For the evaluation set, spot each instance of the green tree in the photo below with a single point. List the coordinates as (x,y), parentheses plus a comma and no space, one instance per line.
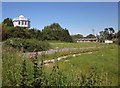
(107,34)
(3,32)
(91,36)
(66,36)
(55,26)
(101,37)
(77,36)
(36,33)
(111,31)
(8,22)
(18,32)
(56,32)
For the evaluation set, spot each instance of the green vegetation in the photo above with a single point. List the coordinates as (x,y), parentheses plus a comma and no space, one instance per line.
(8,22)
(14,32)
(95,69)
(104,61)
(106,34)
(11,65)
(58,45)
(90,36)
(56,32)
(27,44)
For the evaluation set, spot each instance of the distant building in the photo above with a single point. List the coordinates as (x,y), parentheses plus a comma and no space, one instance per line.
(85,39)
(21,21)
(108,41)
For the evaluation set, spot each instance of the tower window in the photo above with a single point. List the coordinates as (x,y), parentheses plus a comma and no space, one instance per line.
(25,22)
(22,22)
(18,22)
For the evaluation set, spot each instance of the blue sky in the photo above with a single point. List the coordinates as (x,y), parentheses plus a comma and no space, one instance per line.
(77,17)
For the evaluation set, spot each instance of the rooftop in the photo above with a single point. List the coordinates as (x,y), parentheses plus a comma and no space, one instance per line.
(21,17)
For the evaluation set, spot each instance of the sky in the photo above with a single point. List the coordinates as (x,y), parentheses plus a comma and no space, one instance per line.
(60,0)
(77,17)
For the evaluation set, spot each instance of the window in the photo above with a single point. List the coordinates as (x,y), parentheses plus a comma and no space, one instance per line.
(25,22)
(22,22)
(18,22)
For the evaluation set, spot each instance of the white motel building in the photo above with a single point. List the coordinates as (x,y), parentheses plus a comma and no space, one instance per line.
(21,21)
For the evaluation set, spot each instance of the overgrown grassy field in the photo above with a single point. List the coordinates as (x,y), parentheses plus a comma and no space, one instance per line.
(59,44)
(103,63)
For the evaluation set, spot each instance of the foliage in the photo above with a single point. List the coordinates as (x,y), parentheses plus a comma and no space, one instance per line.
(57,78)
(27,44)
(93,75)
(90,36)
(77,36)
(35,33)
(36,73)
(56,32)
(8,22)
(11,62)
(24,75)
(14,32)
(91,79)
(107,34)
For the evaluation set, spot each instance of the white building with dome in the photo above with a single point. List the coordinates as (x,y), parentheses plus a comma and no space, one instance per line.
(21,21)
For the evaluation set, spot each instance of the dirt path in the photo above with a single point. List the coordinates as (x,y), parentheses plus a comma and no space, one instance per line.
(47,62)
(51,51)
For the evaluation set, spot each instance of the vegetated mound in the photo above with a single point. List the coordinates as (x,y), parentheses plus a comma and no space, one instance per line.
(28,44)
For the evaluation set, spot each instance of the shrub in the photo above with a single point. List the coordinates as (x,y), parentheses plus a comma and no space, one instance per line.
(27,44)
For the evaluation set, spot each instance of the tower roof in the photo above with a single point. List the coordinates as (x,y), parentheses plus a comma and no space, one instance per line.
(21,16)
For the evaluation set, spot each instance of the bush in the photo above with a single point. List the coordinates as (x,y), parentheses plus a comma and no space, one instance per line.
(27,44)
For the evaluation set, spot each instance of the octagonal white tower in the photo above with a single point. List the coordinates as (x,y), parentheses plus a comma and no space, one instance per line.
(21,21)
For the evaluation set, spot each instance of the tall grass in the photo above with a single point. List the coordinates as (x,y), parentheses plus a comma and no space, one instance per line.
(57,74)
(12,60)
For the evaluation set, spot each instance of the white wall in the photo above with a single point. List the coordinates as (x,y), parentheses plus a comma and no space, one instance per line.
(15,23)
